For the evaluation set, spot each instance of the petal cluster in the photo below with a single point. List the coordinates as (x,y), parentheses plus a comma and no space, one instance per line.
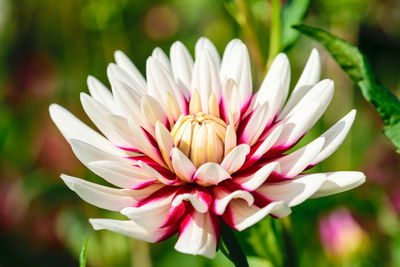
(190,144)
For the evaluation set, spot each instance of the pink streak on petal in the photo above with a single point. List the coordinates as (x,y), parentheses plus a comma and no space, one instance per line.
(143,185)
(161,193)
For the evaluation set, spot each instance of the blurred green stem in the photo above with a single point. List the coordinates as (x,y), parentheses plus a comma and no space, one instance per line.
(290,252)
(275,36)
(141,254)
(245,22)
(235,252)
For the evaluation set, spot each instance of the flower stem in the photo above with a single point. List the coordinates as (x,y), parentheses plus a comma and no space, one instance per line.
(290,256)
(275,36)
(235,252)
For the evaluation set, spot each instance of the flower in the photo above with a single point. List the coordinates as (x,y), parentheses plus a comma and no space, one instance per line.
(340,234)
(191,144)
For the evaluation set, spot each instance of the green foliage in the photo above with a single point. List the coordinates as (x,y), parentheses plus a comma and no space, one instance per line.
(293,13)
(82,256)
(356,65)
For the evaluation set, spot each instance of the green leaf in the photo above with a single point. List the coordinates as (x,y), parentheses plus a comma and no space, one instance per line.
(82,256)
(293,13)
(356,65)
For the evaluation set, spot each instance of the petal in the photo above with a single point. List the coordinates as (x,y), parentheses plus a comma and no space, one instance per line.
(295,162)
(127,65)
(127,100)
(157,175)
(165,142)
(309,77)
(235,159)
(334,137)
(198,235)
(87,153)
(182,165)
(100,196)
(160,55)
(121,174)
(337,182)
(257,123)
(205,78)
(295,191)
(306,113)
(200,200)
(73,128)
(101,93)
(115,72)
(206,44)
(278,74)
(236,65)
(223,197)
(153,111)
(241,216)
(252,182)
(210,173)
(129,228)
(182,66)
(100,116)
(160,82)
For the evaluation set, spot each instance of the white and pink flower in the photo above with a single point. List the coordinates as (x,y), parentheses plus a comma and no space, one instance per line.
(192,144)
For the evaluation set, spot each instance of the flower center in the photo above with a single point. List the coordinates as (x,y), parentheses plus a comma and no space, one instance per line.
(201,137)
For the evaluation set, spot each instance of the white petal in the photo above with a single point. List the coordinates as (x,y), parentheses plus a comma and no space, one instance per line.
(278,73)
(127,100)
(153,214)
(160,82)
(153,111)
(231,102)
(224,197)
(73,128)
(101,93)
(155,174)
(205,43)
(162,58)
(235,159)
(295,191)
(100,196)
(165,142)
(129,228)
(127,65)
(334,137)
(198,202)
(121,174)
(205,78)
(236,66)
(306,113)
(252,182)
(242,216)
(295,162)
(272,137)
(100,116)
(115,72)
(144,144)
(86,153)
(309,77)
(261,117)
(182,66)
(210,173)
(182,165)
(198,237)
(337,182)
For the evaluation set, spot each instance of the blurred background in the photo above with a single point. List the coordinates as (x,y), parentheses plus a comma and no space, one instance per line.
(48,48)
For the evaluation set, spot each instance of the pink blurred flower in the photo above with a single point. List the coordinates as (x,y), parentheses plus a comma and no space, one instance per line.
(192,144)
(340,233)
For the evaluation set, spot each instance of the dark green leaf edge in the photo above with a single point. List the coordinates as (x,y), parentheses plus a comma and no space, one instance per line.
(356,65)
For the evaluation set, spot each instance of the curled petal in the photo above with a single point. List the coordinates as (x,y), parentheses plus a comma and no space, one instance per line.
(200,200)
(210,174)
(198,235)
(101,93)
(205,44)
(127,65)
(240,215)
(223,197)
(182,66)
(115,72)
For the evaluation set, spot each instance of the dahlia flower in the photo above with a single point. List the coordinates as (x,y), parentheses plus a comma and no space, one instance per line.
(191,144)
